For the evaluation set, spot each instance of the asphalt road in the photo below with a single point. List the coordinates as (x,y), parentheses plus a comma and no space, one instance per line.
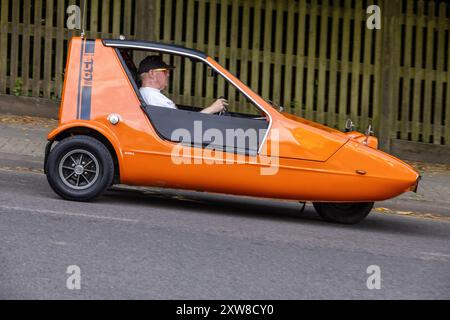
(160,244)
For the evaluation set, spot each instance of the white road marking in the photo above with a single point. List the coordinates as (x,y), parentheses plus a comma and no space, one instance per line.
(22,170)
(435,256)
(62,213)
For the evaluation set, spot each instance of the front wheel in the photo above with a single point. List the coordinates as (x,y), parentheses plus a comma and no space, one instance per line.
(80,168)
(345,213)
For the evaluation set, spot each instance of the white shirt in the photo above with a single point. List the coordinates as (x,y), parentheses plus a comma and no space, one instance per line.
(154,97)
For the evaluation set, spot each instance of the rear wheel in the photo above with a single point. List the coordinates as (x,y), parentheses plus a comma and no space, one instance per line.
(345,213)
(80,168)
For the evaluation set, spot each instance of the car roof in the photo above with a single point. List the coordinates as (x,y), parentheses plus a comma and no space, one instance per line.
(154,46)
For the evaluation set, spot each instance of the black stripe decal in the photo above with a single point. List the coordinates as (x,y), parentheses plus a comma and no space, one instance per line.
(90,47)
(79,78)
(86,102)
(87,76)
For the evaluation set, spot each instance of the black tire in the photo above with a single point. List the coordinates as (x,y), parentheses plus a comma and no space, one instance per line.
(344,213)
(63,173)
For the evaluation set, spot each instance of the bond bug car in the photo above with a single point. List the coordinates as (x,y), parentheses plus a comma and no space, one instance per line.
(108,135)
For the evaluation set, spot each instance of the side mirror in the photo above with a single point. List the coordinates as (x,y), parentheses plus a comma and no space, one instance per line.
(349,125)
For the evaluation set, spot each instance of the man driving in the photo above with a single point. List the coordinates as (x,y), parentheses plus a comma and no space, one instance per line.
(154,75)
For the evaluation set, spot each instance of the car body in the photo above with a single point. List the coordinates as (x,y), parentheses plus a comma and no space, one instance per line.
(309,161)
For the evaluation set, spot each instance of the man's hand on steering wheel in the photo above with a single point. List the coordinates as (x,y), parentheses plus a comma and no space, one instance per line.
(224,110)
(219,106)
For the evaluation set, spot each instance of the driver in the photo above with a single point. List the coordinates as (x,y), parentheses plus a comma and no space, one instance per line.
(154,74)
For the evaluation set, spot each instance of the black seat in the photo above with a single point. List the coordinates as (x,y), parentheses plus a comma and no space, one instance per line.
(131,66)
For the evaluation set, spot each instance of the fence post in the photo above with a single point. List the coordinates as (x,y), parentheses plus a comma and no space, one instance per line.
(390,69)
(145,20)
(3,45)
(145,24)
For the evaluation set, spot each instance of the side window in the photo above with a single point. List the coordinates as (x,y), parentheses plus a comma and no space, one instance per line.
(193,85)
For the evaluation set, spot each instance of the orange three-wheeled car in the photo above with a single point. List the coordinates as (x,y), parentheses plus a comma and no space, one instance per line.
(108,135)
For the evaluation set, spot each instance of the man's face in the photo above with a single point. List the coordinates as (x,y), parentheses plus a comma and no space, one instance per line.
(160,77)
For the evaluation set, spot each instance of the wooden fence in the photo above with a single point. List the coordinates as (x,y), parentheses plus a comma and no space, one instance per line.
(317,58)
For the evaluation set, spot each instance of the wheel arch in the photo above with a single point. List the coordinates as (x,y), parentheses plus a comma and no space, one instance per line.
(109,141)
